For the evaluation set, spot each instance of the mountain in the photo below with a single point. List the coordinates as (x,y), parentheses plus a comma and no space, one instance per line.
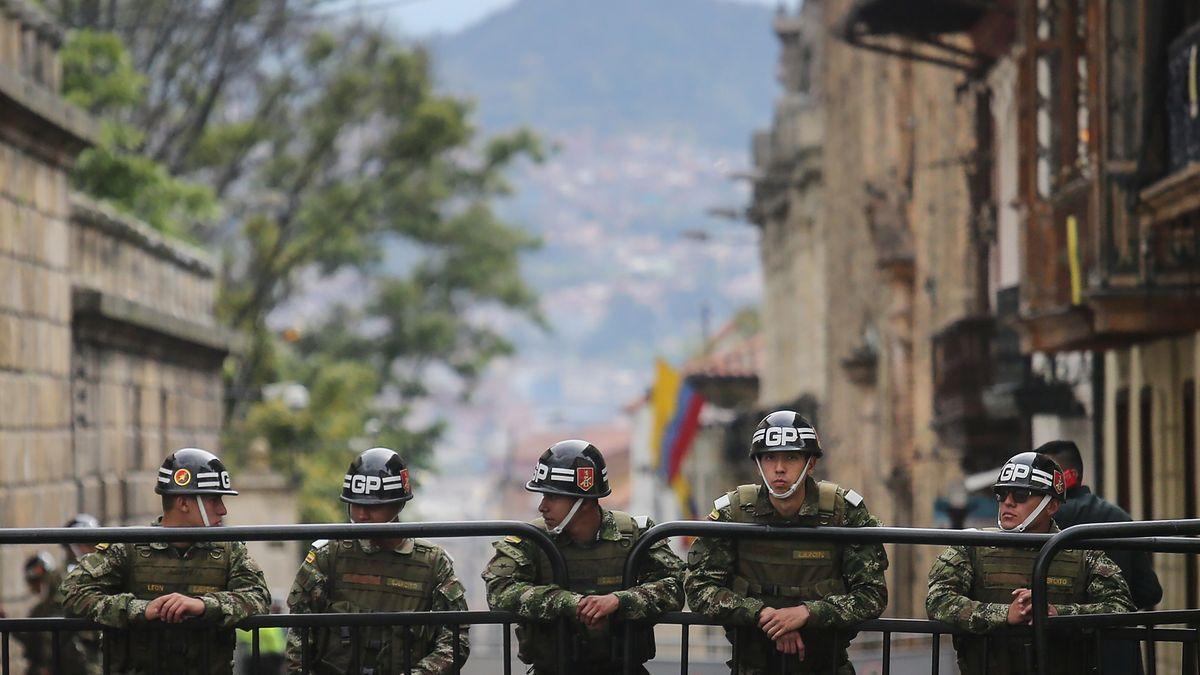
(700,70)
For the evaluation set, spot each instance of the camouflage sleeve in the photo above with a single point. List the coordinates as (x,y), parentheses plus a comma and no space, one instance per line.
(448,596)
(245,593)
(307,596)
(949,585)
(863,566)
(93,590)
(659,586)
(512,584)
(1107,591)
(706,581)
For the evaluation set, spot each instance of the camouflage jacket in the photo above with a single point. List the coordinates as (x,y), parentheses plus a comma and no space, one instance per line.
(712,560)
(78,655)
(95,588)
(449,595)
(951,577)
(515,582)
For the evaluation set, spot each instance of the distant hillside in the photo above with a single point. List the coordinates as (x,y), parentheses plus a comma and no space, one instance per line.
(698,70)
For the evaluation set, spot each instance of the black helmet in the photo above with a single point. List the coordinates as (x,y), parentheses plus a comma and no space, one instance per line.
(1033,471)
(571,469)
(785,431)
(83,520)
(38,565)
(377,476)
(192,471)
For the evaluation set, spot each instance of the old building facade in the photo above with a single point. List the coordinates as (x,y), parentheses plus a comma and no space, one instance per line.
(979,233)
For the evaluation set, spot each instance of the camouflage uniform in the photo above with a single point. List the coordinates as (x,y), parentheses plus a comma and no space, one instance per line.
(717,584)
(330,581)
(970,588)
(114,585)
(518,580)
(77,650)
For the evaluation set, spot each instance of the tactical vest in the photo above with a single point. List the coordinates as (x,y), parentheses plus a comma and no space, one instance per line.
(150,573)
(997,572)
(593,570)
(383,581)
(784,573)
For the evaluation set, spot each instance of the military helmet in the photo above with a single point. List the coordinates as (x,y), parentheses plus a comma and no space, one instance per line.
(38,565)
(785,431)
(377,476)
(192,471)
(83,520)
(571,468)
(1035,472)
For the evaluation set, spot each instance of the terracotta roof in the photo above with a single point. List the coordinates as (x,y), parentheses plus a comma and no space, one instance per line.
(740,358)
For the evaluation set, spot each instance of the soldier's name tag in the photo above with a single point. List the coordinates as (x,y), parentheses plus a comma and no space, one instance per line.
(155,588)
(366,579)
(1058,581)
(202,589)
(406,585)
(812,555)
(604,581)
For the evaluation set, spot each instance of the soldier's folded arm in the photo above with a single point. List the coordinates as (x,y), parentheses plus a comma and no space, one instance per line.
(948,601)
(509,579)
(660,585)
(863,566)
(246,595)
(92,590)
(448,596)
(707,579)
(1107,590)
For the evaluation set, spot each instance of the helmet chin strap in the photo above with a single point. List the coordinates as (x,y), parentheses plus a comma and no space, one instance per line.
(203,511)
(1029,519)
(795,486)
(570,514)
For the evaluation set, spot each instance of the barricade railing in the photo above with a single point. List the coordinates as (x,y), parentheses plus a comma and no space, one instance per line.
(303,622)
(1144,536)
(1113,535)
(1092,539)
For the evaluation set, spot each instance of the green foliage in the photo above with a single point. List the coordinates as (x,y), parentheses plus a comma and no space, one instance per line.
(98,76)
(329,152)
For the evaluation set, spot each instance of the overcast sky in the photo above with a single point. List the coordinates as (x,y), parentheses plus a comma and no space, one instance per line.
(425,17)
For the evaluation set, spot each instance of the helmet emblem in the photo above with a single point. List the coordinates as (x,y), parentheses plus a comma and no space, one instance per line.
(182,477)
(1059,483)
(585,477)
(404,479)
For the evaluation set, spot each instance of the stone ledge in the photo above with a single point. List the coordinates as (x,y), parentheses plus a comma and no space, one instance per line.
(119,321)
(33,17)
(44,111)
(90,213)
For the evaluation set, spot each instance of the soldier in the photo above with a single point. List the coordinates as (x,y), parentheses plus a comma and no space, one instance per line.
(43,579)
(209,586)
(377,575)
(77,551)
(788,603)
(595,542)
(980,589)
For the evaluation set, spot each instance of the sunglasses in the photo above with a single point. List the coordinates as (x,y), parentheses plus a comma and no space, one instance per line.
(1019,495)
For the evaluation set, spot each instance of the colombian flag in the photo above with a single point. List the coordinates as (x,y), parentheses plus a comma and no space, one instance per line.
(681,420)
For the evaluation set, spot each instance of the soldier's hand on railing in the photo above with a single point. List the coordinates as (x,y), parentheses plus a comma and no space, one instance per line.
(1021,610)
(777,621)
(595,609)
(791,643)
(174,608)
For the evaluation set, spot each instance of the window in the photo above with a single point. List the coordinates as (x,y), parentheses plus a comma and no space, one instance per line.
(1146,454)
(1122,443)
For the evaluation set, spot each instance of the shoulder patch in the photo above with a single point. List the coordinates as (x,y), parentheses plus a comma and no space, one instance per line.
(853,498)
(721,502)
(641,521)
(311,557)
(320,543)
(103,546)
(513,539)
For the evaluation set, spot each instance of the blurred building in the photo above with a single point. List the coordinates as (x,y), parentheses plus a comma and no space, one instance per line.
(980,231)
(109,350)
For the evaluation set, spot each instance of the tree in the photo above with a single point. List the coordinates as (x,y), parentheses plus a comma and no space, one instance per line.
(331,153)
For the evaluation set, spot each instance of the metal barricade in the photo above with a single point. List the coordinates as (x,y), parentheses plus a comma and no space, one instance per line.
(130,535)
(1091,539)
